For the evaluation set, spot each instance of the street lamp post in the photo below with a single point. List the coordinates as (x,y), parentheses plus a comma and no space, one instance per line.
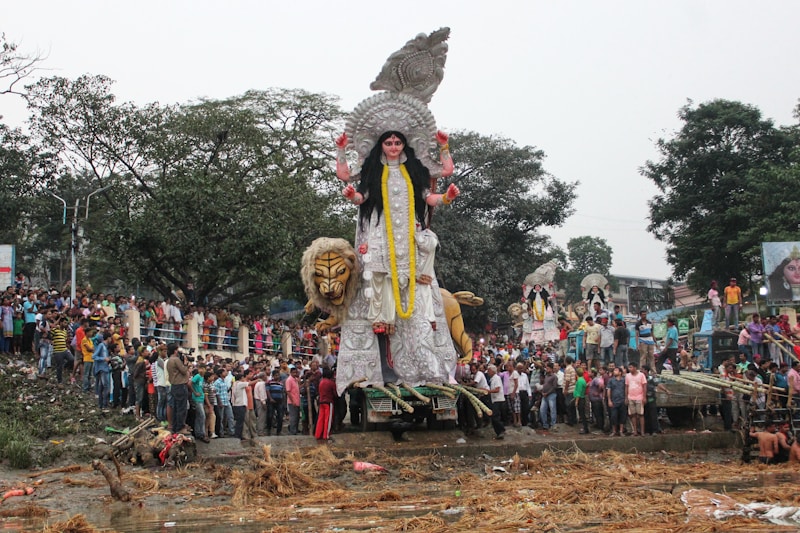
(74,236)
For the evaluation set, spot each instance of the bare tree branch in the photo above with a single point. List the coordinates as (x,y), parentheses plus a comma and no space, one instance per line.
(15,66)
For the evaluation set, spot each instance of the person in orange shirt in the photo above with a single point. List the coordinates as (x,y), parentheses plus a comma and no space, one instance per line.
(732,302)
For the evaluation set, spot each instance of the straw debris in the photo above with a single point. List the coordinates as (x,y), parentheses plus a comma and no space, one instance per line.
(28,510)
(76,524)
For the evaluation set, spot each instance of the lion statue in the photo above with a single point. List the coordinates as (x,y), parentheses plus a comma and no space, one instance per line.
(516,311)
(331,278)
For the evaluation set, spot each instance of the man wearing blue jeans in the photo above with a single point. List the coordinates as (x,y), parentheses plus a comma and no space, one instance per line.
(547,410)
(178,376)
(199,400)
(224,403)
(732,301)
(162,387)
(671,350)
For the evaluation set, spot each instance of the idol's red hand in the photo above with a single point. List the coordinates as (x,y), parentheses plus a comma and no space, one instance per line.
(349,192)
(341,140)
(452,192)
(441,137)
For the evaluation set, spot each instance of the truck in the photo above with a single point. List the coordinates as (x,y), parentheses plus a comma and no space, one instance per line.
(684,403)
(378,408)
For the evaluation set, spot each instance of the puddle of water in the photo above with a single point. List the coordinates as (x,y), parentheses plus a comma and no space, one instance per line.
(122,517)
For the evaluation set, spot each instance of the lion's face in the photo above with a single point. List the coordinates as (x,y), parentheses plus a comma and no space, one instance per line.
(515,310)
(331,275)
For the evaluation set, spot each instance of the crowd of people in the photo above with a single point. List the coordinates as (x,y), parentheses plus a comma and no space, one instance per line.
(287,383)
(85,341)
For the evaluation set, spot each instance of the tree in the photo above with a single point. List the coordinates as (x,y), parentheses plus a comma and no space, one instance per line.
(711,175)
(492,236)
(15,65)
(586,255)
(224,194)
(23,171)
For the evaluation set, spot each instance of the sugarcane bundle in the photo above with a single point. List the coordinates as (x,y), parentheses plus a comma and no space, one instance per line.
(479,406)
(402,403)
(717,382)
(447,391)
(689,382)
(395,389)
(414,392)
(783,348)
(476,391)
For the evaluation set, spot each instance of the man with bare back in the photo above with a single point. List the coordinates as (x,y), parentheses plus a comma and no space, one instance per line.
(767,443)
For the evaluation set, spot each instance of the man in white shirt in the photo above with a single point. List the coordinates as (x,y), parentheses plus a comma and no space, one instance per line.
(260,399)
(606,343)
(524,391)
(498,399)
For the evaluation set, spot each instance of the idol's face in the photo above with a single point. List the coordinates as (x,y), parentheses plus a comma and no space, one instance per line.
(392,148)
(792,272)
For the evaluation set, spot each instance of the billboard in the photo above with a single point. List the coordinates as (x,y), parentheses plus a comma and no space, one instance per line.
(649,299)
(781,271)
(6,265)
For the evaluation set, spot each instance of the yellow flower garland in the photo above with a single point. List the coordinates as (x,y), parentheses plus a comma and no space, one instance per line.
(538,310)
(411,244)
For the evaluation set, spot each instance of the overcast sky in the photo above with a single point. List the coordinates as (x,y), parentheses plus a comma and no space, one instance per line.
(593,84)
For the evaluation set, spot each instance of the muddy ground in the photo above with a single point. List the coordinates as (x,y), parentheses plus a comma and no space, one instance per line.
(434,481)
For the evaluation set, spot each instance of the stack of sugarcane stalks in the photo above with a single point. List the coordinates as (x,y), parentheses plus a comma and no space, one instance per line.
(132,433)
(396,397)
(479,406)
(783,348)
(713,382)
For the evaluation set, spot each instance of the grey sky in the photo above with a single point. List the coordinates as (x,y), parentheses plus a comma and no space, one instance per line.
(593,84)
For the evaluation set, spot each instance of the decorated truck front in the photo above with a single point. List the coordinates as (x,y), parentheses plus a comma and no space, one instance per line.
(438,409)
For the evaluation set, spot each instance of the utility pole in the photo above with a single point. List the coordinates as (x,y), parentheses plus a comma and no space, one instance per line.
(73,230)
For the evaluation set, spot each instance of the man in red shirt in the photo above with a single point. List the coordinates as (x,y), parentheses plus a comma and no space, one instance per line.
(327,395)
(80,334)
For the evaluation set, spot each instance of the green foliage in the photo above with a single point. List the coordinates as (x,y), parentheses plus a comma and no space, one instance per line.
(18,453)
(492,236)
(224,194)
(228,193)
(8,432)
(720,196)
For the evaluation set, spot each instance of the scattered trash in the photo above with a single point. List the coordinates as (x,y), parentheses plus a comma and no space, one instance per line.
(27,491)
(452,511)
(461,440)
(701,502)
(361,466)
(170,524)
(110,429)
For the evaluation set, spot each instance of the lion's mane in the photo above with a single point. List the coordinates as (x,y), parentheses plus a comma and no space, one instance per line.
(348,254)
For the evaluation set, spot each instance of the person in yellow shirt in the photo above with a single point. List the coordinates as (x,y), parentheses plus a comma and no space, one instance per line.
(591,341)
(732,302)
(87,349)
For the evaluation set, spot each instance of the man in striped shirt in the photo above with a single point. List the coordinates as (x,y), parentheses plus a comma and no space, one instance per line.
(59,336)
